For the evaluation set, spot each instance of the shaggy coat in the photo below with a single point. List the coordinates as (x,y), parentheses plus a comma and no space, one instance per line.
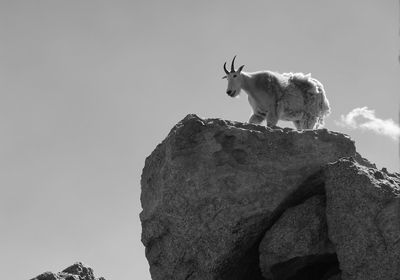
(292,97)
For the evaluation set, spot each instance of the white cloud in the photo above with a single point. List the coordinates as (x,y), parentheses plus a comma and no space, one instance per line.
(370,122)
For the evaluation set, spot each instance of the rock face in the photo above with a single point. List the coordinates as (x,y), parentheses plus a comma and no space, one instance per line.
(213,188)
(225,200)
(300,234)
(77,271)
(363,217)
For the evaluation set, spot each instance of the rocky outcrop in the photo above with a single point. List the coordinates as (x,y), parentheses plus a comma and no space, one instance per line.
(77,271)
(212,189)
(226,200)
(363,217)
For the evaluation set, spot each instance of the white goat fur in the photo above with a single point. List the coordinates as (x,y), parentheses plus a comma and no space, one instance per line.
(292,97)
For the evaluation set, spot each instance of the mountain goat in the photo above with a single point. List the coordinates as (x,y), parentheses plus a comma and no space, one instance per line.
(292,97)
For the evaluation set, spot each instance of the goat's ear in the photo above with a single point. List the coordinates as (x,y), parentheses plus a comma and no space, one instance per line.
(224,77)
(240,69)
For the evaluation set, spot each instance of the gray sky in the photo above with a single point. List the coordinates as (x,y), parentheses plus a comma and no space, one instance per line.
(89,88)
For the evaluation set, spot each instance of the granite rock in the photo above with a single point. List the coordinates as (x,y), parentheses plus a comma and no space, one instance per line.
(297,240)
(212,188)
(363,217)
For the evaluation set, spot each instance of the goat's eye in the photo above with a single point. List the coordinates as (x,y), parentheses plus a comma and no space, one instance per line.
(234,76)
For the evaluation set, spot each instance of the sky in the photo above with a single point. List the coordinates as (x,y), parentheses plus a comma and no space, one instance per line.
(89,88)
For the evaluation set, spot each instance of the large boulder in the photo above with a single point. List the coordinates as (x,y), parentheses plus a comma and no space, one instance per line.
(363,217)
(212,188)
(77,271)
(297,241)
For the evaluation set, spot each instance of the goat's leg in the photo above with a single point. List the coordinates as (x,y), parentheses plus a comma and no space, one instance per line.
(256,119)
(308,122)
(272,119)
(298,125)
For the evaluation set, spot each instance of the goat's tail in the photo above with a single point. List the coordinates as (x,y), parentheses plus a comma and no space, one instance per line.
(323,103)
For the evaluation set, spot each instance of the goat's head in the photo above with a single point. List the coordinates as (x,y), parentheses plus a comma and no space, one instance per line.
(234,79)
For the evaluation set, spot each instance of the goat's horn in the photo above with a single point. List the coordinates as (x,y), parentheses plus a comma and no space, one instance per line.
(233,64)
(226,71)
